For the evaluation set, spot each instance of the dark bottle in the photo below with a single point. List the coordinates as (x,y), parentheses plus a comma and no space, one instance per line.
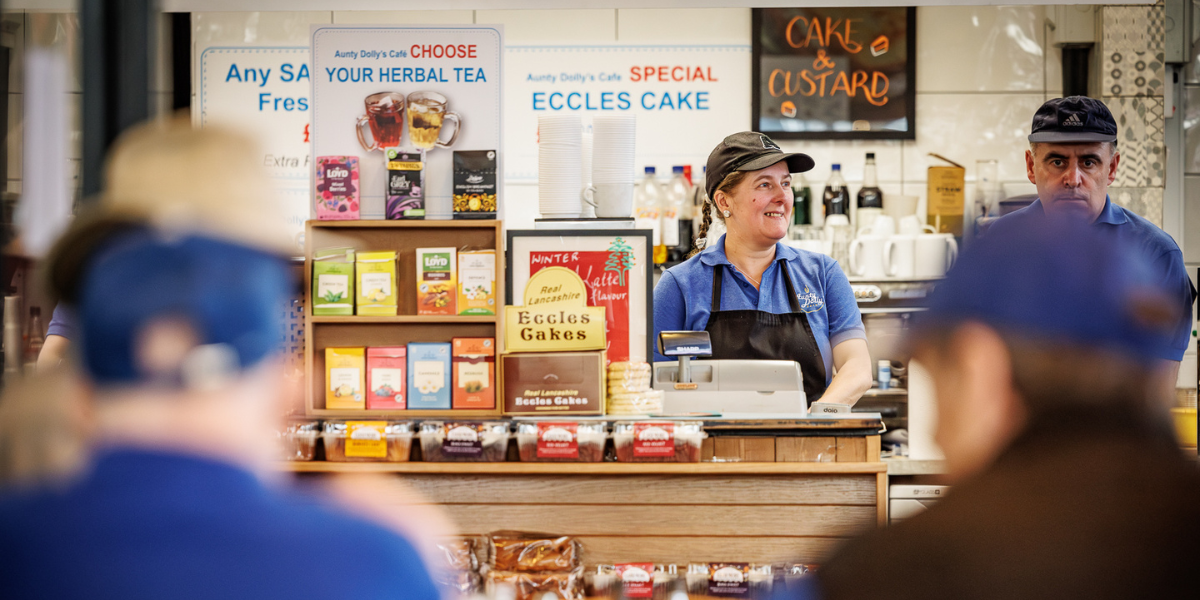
(870,196)
(801,201)
(837,195)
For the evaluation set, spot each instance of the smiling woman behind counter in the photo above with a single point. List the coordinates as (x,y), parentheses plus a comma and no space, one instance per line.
(758,298)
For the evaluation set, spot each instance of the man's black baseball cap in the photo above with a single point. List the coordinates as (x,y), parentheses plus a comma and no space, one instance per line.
(1074,119)
(748,151)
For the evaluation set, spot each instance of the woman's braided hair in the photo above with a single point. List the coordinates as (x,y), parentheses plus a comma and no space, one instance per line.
(708,207)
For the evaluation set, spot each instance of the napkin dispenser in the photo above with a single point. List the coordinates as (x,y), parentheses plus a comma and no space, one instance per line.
(724,386)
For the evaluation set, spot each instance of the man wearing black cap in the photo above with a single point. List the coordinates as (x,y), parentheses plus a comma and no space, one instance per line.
(1072,159)
(1043,345)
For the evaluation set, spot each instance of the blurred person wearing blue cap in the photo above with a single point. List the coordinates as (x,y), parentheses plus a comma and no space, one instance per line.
(1044,347)
(177,280)
(1072,159)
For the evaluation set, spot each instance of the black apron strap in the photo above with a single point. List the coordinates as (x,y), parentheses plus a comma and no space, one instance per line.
(718,275)
(791,289)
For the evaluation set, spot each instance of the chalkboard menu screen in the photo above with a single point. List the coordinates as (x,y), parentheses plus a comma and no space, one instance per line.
(835,73)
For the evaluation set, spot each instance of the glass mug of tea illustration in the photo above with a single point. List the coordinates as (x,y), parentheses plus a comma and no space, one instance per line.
(384,118)
(426,115)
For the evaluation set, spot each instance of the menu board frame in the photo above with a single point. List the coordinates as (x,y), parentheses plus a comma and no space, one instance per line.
(909,95)
(522,243)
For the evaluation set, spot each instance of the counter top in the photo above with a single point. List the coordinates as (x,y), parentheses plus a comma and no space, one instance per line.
(904,466)
(604,468)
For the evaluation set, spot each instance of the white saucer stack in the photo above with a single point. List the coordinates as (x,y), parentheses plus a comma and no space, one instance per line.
(560,155)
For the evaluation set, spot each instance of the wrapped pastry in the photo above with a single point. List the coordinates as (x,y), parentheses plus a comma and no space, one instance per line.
(459,554)
(527,552)
(532,586)
(368,441)
(657,441)
(646,402)
(561,441)
(464,442)
(299,439)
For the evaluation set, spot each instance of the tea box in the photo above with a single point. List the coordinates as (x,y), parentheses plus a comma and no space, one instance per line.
(474,363)
(553,383)
(333,281)
(436,293)
(405,184)
(344,378)
(376,283)
(429,375)
(337,188)
(385,378)
(477,282)
(475,184)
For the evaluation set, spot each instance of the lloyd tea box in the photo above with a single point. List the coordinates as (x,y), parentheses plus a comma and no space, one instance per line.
(385,378)
(405,184)
(477,282)
(428,375)
(553,383)
(333,281)
(474,364)
(344,378)
(474,184)
(436,290)
(376,283)
(337,188)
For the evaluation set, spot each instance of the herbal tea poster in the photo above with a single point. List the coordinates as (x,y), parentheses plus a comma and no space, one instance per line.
(427,90)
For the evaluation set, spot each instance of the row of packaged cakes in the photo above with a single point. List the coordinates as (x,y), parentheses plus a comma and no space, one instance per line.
(536,441)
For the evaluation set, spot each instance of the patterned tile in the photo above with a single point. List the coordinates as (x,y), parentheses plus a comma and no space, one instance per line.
(1132,48)
(1140,141)
(1147,202)
(293,334)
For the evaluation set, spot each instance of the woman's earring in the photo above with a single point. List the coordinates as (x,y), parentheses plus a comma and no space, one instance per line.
(726,213)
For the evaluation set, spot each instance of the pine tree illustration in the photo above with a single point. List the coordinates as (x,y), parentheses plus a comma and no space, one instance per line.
(620,259)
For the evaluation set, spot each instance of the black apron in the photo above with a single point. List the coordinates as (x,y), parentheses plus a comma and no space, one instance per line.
(757,335)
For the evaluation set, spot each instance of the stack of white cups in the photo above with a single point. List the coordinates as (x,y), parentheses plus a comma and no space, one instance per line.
(560,156)
(611,192)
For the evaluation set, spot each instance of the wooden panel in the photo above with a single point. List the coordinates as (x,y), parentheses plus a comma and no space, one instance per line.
(873,448)
(851,449)
(617,520)
(881,497)
(683,550)
(745,449)
(805,449)
(590,469)
(648,489)
(706,449)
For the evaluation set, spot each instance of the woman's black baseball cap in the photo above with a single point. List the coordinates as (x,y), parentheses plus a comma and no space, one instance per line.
(1073,120)
(749,151)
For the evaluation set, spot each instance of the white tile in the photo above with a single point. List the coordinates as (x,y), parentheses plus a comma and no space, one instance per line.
(852,155)
(16,131)
(577,26)
(520,205)
(970,127)
(255,28)
(12,34)
(1054,74)
(404,17)
(684,25)
(980,48)
(61,32)
(75,124)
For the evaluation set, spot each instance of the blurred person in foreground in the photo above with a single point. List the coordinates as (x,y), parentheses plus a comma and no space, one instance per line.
(177,280)
(1043,345)
(1072,159)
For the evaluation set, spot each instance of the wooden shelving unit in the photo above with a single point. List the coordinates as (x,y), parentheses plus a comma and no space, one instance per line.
(404,237)
(603,468)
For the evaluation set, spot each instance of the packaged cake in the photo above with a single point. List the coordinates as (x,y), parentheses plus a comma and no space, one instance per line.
(536,586)
(344,378)
(368,441)
(561,441)
(464,442)
(657,441)
(299,439)
(533,552)
(337,188)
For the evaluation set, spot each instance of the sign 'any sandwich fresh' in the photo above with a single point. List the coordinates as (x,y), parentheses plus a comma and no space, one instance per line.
(555,316)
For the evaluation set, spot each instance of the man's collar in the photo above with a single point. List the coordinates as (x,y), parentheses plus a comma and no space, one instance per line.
(1110,214)
(715,254)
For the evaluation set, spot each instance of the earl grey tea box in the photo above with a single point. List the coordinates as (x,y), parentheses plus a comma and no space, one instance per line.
(405,184)
(475,184)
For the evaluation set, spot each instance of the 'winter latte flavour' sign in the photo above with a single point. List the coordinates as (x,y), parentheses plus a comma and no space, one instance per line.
(555,316)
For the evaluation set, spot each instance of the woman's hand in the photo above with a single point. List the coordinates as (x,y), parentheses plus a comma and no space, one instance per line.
(852,365)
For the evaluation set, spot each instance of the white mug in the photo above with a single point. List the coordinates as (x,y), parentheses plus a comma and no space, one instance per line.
(911,225)
(865,219)
(866,256)
(811,245)
(611,200)
(884,226)
(934,254)
(899,258)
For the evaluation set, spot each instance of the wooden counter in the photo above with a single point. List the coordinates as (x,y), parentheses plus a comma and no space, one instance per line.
(658,512)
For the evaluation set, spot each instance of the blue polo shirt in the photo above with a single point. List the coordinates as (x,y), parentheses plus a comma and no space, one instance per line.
(148,524)
(1157,247)
(683,297)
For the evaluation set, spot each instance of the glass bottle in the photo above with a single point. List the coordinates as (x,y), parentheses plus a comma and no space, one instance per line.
(837,195)
(647,211)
